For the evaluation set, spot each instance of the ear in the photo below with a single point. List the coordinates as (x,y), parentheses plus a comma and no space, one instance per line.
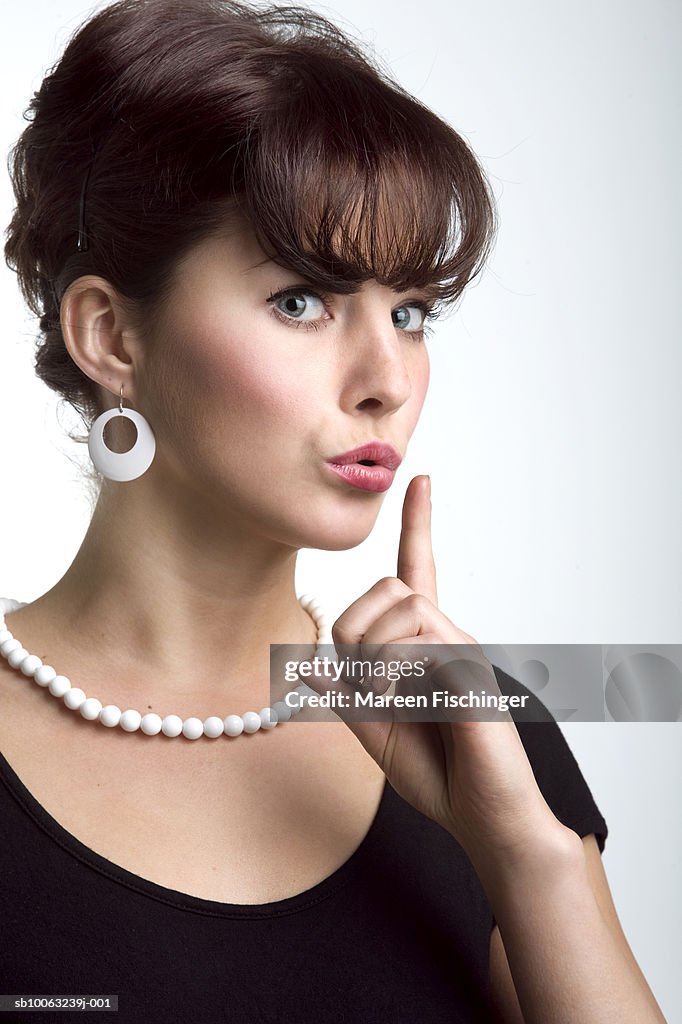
(99,334)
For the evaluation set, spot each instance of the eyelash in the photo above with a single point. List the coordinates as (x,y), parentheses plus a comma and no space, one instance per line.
(430,310)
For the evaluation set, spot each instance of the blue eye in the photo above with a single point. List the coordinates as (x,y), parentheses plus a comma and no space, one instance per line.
(405,321)
(296,305)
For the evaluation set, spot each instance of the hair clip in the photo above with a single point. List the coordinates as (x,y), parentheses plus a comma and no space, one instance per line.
(82,243)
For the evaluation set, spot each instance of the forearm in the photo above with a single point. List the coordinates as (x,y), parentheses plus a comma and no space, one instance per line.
(567,964)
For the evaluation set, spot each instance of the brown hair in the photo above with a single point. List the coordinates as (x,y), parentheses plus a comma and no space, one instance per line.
(163,117)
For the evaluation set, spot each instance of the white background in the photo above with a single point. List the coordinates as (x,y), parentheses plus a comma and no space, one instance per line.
(552,429)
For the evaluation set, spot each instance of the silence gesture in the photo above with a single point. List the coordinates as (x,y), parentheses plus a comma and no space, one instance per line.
(472,777)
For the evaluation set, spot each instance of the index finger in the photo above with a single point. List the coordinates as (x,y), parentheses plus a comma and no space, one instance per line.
(416,565)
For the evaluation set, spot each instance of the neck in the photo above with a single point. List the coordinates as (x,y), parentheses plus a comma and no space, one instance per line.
(169,603)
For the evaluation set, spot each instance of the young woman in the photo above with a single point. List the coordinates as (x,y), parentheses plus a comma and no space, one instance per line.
(234,228)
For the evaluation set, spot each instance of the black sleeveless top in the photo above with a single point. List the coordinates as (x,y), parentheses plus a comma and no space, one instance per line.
(400,932)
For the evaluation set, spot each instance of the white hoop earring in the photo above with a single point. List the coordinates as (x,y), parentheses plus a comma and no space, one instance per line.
(121,466)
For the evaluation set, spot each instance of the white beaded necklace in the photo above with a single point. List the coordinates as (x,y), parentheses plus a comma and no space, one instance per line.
(131,721)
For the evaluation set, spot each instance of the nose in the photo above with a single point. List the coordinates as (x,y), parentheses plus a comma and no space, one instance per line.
(378,361)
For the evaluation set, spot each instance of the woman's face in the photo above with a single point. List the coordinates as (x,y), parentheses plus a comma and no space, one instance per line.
(250,395)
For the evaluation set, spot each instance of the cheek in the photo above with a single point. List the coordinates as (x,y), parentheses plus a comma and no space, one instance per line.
(242,383)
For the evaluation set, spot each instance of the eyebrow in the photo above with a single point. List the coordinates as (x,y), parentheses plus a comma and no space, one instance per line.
(341,287)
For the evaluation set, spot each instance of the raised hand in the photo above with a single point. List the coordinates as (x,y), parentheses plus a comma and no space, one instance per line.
(472,777)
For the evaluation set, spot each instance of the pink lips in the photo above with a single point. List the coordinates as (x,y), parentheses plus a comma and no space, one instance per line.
(378,476)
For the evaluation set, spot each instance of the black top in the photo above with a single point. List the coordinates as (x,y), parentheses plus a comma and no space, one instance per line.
(400,932)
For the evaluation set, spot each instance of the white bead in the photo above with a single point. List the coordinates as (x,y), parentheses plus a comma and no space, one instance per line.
(30,664)
(5,635)
(282,710)
(110,716)
(251,721)
(192,728)
(16,656)
(233,725)
(59,686)
(44,675)
(268,718)
(130,720)
(91,708)
(171,725)
(7,646)
(315,608)
(305,599)
(151,724)
(213,727)
(74,697)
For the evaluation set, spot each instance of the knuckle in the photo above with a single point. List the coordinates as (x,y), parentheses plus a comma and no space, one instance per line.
(339,630)
(392,585)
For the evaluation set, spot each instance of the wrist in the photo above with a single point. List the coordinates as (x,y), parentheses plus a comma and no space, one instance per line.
(544,854)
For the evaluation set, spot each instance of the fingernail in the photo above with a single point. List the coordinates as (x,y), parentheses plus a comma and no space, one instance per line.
(429,487)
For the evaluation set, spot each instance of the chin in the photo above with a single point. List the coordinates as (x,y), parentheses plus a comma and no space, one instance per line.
(334,529)
(341,530)
(338,542)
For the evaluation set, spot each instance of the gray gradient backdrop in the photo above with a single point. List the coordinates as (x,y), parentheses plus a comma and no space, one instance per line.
(552,429)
